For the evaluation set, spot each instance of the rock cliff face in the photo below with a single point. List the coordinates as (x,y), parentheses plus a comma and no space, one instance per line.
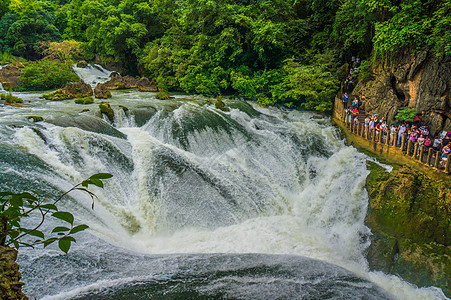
(421,81)
(9,76)
(10,285)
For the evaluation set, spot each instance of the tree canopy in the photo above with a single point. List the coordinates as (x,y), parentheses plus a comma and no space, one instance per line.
(288,52)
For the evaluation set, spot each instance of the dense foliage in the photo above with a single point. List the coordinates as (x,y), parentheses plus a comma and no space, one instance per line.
(290,52)
(45,75)
(16,207)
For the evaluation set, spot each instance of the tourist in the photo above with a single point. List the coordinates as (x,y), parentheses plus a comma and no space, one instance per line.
(392,135)
(437,143)
(445,153)
(356,124)
(420,141)
(401,131)
(427,142)
(371,126)
(367,124)
(345,100)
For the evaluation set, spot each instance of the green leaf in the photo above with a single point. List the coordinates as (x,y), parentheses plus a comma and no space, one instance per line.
(64,245)
(78,228)
(60,229)
(49,241)
(85,183)
(65,216)
(49,206)
(36,233)
(97,182)
(101,176)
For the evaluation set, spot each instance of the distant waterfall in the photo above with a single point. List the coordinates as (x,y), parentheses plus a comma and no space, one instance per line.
(93,74)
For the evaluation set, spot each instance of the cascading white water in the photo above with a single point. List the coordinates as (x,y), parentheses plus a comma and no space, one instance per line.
(92,74)
(1,85)
(190,179)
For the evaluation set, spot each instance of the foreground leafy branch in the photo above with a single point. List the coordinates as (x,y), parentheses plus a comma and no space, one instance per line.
(16,206)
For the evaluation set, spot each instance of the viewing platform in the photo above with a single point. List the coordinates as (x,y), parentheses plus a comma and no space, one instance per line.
(406,153)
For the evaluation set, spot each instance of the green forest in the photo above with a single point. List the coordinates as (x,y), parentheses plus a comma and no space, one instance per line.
(288,52)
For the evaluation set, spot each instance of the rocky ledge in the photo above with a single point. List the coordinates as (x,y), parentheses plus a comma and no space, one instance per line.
(10,285)
(118,82)
(71,90)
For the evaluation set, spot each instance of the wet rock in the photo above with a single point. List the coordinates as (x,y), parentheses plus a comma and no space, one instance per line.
(71,90)
(145,85)
(162,96)
(10,285)
(106,109)
(102,92)
(121,82)
(9,76)
(82,64)
(219,104)
(85,100)
(35,118)
(10,99)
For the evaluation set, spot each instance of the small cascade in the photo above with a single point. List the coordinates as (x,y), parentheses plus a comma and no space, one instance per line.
(93,74)
(1,86)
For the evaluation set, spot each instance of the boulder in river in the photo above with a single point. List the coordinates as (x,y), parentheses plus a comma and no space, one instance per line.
(71,90)
(9,76)
(145,85)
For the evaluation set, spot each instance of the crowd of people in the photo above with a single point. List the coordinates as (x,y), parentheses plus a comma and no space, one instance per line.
(413,132)
(410,131)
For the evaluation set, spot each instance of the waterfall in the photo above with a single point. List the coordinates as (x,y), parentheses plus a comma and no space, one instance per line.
(92,74)
(190,182)
(1,85)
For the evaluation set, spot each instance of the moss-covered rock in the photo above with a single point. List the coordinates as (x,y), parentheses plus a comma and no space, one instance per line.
(106,109)
(10,99)
(85,100)
(101,91)
(82,64)
(162,96)
(409,215)
(10,285)
(35,118)
(219,104)
(71,90)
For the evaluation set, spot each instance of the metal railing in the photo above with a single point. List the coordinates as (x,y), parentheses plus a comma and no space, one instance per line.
(425,155)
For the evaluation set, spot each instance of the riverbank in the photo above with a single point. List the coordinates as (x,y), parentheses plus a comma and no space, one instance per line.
(409,215)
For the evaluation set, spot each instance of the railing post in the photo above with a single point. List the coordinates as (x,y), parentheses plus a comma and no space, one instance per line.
(447,165)
(403,142)
(380,136)
(362,130)
(395,140)
(415,150)
(437,158)
(428,161)
(421,154)
(409,147)
(346,119)
(373,138)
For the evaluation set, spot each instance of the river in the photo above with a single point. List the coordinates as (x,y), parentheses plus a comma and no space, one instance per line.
(255,203)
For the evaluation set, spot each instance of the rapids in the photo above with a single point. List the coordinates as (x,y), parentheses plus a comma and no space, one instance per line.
(250,204)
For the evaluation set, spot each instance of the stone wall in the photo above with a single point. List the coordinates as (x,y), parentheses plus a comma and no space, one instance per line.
(421,81)
(10,285)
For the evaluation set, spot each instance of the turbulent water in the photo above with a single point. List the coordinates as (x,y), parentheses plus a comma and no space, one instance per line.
(250,204)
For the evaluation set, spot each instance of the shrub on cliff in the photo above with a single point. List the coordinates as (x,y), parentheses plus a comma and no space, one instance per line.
(406,114)
(45,75)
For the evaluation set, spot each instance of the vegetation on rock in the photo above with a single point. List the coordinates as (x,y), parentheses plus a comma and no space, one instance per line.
(409,215)
(10,99)
(85,100)
(45,75)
